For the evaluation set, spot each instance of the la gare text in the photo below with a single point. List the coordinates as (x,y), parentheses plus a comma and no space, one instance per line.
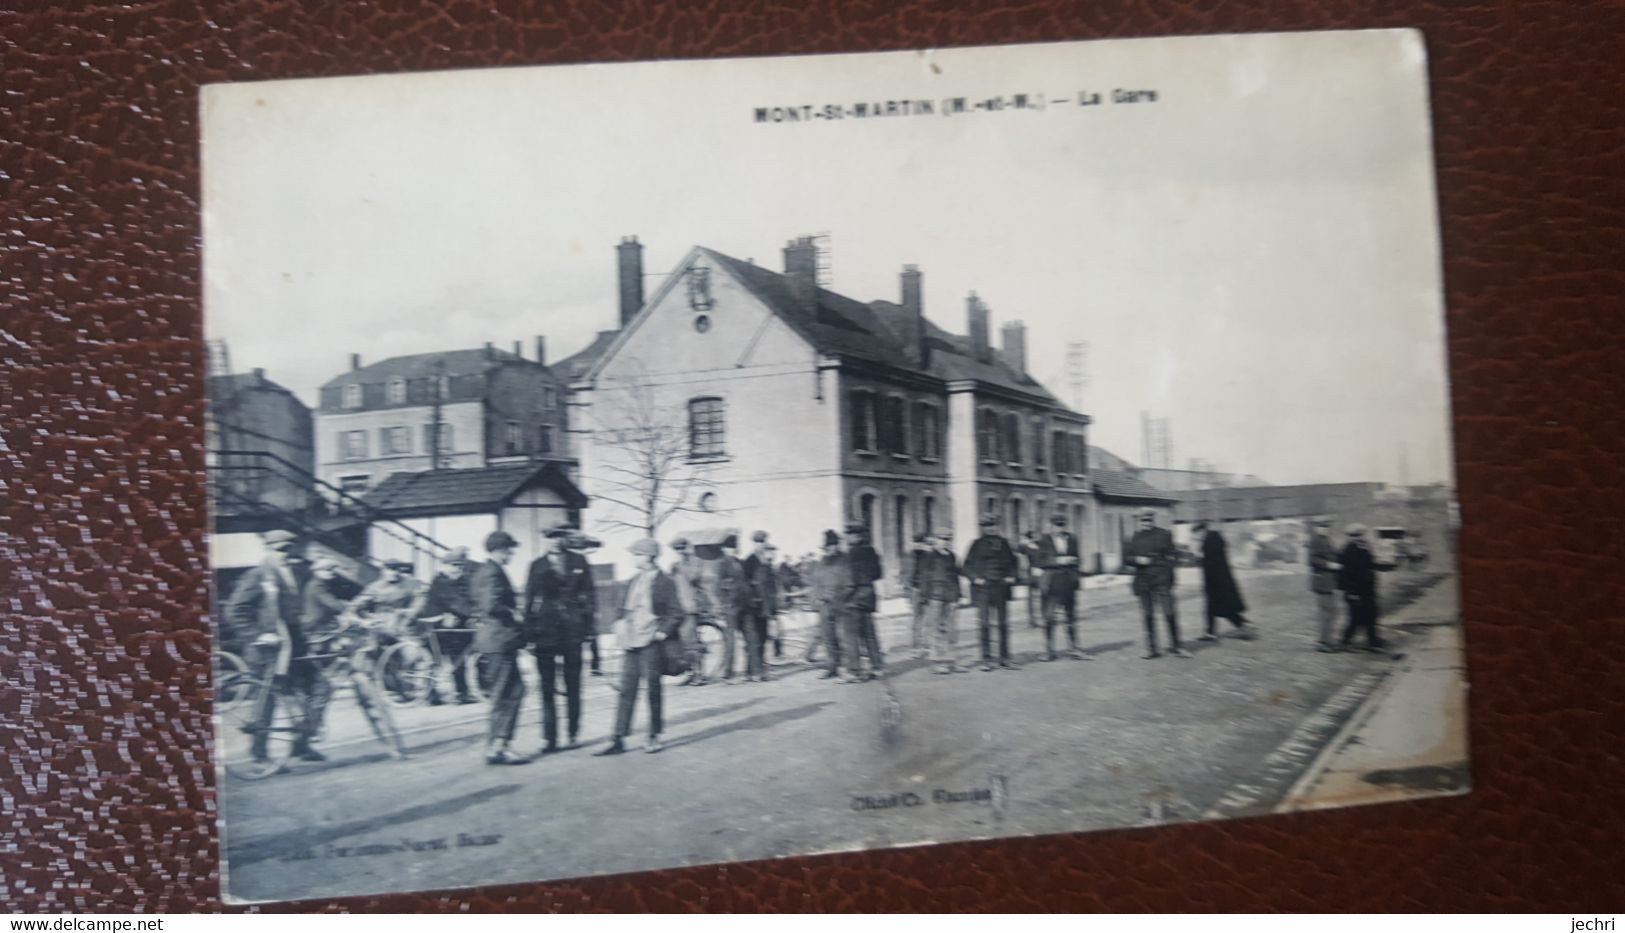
(950,106)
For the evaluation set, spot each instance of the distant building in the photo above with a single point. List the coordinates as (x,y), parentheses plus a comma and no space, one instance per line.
(1186,480)
(802,409)
(481,407)
(258,443)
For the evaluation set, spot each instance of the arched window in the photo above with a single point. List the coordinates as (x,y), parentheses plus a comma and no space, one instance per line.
(707,432)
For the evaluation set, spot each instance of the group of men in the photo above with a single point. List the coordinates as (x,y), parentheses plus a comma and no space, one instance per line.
(553,615)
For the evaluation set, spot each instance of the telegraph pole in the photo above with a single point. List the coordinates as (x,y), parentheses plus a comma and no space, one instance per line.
(437,385)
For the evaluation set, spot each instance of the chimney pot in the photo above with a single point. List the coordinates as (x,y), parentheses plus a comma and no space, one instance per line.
(355,362)
(541,349)
(629,277)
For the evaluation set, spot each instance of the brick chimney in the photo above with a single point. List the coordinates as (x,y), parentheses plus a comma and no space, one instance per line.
(259,375)
(629,274)
(976,325)
(519,349)
(541,349)
(1014,336)
(355,362)
(490,350)
(801,269)
(914,316)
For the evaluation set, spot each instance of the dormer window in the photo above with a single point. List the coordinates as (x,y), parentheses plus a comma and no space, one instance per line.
(395,392)
(352,396)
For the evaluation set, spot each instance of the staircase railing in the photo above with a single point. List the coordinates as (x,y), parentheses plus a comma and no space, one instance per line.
(227,462)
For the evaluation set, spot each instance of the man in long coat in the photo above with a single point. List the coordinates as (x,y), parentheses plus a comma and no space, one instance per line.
(991,566)
(858,603)
(1358,581)
(1219,587)
(265,614)
(1057,559)
(762,594)
(558,615)
(1152,554)
(500,635)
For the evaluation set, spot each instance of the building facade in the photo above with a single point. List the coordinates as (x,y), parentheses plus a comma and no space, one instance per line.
(800,409)
(258,440)
(460,409)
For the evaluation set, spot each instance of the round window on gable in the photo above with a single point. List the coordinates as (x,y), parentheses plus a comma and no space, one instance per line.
(702,322)
(708,502)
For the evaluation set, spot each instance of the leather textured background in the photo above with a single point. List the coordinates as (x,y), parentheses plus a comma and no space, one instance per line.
(106,787)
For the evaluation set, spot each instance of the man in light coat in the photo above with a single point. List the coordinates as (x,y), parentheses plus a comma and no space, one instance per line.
(1323,568)
(649,616)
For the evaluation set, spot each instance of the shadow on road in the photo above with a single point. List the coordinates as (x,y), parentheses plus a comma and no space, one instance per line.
(299,840)
(759,721)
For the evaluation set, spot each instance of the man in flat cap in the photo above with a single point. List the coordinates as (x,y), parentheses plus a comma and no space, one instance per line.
(858,603)
(579,545)
(761,580)
(687,577)
(1058,562)
(1323,568)
(649,616)
(919,630)
(1153,555)
(991,566)
(448,607)
(499,635)
(265,614)
(393,600)
(558,611)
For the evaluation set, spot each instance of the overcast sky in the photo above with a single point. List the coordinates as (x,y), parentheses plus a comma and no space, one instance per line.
(1253,255)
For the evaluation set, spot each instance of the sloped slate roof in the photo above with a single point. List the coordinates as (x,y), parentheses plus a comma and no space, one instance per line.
(423,365)
(472,490)
(845,327)
(1123,486)
(222,389)
(575,365)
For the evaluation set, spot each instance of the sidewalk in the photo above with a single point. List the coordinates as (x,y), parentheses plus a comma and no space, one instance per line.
(1408,739)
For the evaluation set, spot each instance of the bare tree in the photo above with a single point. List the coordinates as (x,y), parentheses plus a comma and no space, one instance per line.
(646,472)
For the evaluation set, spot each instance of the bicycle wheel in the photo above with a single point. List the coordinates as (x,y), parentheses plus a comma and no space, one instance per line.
(373,705)
(406,672)
(716,646)
(253,745)
(233,682)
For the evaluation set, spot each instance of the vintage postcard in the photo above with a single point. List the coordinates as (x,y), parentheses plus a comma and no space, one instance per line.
(621,467)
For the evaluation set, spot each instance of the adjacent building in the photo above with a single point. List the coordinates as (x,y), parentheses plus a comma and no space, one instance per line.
(798,409)
(455,410)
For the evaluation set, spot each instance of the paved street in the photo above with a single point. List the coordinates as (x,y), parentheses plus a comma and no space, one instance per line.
(807,765)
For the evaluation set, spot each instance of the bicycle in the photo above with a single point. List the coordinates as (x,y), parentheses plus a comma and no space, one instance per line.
(258,734)
(411,668)
(712,645)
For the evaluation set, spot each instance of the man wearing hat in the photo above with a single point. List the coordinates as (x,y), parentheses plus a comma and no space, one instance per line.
(1220,591)
(920,636)
(763,595)
(448,606)
(558,610)
(686,574)
(1323,567)
(936,580)
(648,617)
(1357,578)
(1058,561)
(858,603)
(499,634)
(826,583)
(395,598)
(991,566)
(264,613)
(1153,555)
(579,545)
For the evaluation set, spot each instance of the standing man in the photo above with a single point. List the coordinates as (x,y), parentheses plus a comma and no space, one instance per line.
(685,576)
(500,634)
(1057,560)
(576,547)
(449,606)
(733,595)
(826,581)
(1153,555)
(762,604)
(554,627)
(1219,589)
(858,606)
(936,580)
(1031,568)
(921,638)
(394,600)
(649,615)
(991,566)
(1323,568)
(1358,581)
(265,614)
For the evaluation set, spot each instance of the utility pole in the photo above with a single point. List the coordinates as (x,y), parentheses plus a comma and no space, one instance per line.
(437,387)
